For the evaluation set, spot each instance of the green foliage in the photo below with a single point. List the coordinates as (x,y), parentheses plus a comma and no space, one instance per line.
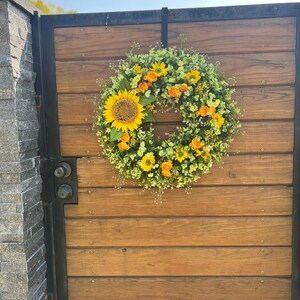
(51,8)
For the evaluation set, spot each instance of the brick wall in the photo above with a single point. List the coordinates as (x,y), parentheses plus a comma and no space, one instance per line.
(22,250)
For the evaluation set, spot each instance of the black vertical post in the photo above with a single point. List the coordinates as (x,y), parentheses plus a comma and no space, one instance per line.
(296,175)
(164,27)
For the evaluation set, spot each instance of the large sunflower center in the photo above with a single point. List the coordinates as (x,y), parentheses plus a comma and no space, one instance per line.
(124,110)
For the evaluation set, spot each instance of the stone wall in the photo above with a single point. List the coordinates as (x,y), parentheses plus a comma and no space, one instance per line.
(22,250)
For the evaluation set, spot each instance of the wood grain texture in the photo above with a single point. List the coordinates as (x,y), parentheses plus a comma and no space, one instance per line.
(232,36)
(256,104)
(205,288)
(256,137)
(202,201)
(218,231)
(235,36)
(269,261)
(248,70)
(101,42)
(237,170)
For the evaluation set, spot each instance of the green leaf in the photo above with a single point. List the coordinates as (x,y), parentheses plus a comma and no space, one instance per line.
(148,116)
(147,100)
(115,134)
(124,84)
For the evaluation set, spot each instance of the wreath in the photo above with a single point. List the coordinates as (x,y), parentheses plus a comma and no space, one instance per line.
(165,79)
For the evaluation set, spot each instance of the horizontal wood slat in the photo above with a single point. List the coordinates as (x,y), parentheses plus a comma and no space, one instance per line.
(101,42)
(268,103)
(256,137)
(202,201)
(218,231)
(237,170)
(179,262)
(180,288)
(235,36)
(232,36)
(248,70)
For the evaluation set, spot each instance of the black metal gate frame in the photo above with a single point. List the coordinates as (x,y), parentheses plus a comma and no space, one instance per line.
(46,99)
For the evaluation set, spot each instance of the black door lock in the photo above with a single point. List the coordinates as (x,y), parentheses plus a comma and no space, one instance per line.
(62,170)
(64,191)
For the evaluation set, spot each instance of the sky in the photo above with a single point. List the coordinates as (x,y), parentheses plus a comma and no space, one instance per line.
(85,6)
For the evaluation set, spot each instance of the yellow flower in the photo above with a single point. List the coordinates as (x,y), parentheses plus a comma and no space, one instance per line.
(147,162)
(193,77)
(196,144)
(124,111)
(181,154)
(218,120)
(166,168)
(138,69)
(205,154)
(200,87)
(159,69)
(123,146)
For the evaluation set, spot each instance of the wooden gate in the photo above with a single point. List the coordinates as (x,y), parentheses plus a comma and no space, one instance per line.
(231,238)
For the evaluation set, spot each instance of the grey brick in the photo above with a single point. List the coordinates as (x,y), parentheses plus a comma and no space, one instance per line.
(22,248)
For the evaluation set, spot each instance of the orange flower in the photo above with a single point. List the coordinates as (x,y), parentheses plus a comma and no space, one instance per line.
(166,173)
(123,146)
(143,86)
(166,168)
(203,111)
(183,87)
(151,76)
(125,137)
(196,144)
(174,92)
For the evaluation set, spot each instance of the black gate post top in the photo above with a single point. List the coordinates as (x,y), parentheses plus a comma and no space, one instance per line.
(164,27)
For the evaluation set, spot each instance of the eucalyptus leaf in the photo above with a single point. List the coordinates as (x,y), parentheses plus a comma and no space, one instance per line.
(115,134)
(124,84)
(148,116)
(147,100)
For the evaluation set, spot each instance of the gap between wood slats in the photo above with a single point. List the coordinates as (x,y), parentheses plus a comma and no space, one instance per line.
(248,70)
(184,261)
(267,103)
(230,36)
(201,201)
(237,170)
(255,137)
(245,288)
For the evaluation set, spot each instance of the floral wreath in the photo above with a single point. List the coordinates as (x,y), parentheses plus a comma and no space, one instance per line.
(162,79)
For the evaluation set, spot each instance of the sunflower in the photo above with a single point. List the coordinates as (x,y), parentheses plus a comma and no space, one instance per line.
(147,162)
(218,120)
(159,69)
(124,111)
(181,154)
(193,77)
